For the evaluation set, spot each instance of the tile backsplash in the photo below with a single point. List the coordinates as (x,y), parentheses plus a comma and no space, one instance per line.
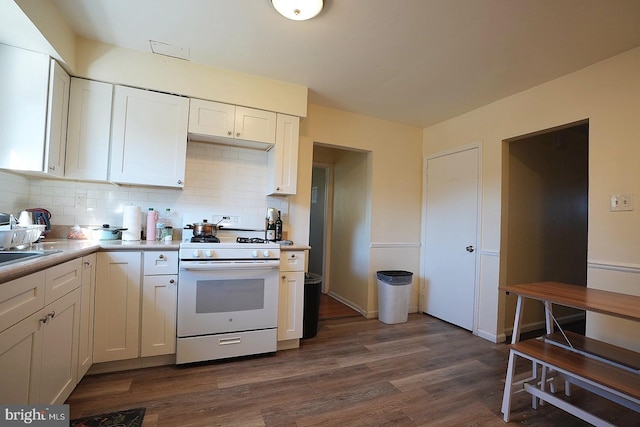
(220,180)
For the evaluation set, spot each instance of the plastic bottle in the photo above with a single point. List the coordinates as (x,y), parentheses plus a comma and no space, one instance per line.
(279,228)
(152,219)
(167,220)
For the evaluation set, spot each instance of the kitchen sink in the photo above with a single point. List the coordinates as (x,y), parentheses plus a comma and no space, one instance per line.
(8,257)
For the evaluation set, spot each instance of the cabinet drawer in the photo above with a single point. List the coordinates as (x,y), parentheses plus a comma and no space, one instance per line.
(21,298)
(62,279)
(292,260)
(160,262)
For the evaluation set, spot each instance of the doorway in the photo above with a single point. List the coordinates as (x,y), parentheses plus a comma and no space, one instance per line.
(545,221)
(339,231)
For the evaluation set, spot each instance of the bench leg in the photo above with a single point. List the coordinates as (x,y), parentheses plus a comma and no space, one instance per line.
(508,383)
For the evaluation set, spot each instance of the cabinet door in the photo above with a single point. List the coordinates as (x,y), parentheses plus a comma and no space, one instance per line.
(20,361)
(255,125)
(62,279)
(148,137)
(211,118)
(88,132)
(60,349)
(87,308)
(283,157)
(159,308)
(293,260)
(20,298)
(117,310)
(290,305)
(160,262)
(57,112)
(24,86)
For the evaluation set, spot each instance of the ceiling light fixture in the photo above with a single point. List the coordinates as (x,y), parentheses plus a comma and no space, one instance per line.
(298,10)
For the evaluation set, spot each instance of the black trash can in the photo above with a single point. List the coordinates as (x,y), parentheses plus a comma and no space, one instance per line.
(312,289)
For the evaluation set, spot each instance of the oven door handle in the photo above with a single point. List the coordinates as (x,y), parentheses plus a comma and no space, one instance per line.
(233,265)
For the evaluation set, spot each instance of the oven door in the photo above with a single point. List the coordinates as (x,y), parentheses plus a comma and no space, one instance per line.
(219,297)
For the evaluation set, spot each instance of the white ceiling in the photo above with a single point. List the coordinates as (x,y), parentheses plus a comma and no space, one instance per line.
(412,61)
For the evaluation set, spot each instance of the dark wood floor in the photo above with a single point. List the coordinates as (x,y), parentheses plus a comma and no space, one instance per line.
(354,372)
(331,308)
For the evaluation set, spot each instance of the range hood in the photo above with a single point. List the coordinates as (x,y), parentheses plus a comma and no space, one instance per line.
(231,142)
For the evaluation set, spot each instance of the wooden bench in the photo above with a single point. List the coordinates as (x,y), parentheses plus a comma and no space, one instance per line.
(622,357)
(611,381)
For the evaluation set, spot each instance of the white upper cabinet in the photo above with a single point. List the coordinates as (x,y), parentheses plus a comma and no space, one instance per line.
(89,130)
(208,118)
(255,125)
(33,112)
(231,125)
(148,138)
(283,157)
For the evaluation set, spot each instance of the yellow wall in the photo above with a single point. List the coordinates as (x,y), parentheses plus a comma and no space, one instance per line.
(608,95)
(391,235)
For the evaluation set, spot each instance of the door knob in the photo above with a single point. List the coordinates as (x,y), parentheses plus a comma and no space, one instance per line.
(470,248)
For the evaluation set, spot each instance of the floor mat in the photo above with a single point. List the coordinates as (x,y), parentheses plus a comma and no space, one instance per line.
(126,418)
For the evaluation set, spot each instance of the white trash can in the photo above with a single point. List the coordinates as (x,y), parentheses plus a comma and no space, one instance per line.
(394,293)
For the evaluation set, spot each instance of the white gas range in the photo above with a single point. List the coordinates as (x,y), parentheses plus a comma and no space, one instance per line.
(227,299)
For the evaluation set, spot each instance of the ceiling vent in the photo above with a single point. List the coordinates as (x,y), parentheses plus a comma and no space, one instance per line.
(165,49)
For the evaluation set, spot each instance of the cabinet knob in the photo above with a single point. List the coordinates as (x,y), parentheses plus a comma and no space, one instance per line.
(238,134)
(87,263)
(52,314)
(284,277)
(172,281)
(44,320)
(52,168)
(161,256)
(229,133)
(180,182)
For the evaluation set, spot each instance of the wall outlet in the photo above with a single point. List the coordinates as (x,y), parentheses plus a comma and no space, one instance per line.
(621,202)
(80,200)
(225,219)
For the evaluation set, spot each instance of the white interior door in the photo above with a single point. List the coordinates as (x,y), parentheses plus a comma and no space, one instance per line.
(451,223)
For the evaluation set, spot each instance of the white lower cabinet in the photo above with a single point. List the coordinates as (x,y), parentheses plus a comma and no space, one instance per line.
(60,349)
(20,361)
(159,303)
(291,295)
(135,310)
(39,354)
(87,309)
(117,310)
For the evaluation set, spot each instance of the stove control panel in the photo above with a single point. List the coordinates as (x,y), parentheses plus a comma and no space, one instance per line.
(202,252)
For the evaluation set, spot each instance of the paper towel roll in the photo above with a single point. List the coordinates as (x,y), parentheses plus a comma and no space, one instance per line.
(131,220)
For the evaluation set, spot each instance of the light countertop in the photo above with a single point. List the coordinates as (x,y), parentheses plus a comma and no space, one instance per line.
(63,250)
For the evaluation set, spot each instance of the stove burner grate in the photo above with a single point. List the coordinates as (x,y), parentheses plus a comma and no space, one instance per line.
(251,240)
(205,239)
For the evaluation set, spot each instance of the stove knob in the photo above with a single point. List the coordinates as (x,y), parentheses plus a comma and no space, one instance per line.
(208,253)
(265,253)
(254,254)
(196,253)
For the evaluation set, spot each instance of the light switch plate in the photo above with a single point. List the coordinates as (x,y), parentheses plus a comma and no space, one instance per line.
(621,202)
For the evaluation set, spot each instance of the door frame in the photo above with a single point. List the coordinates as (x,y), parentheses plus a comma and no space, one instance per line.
(476,288)
(328,225)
